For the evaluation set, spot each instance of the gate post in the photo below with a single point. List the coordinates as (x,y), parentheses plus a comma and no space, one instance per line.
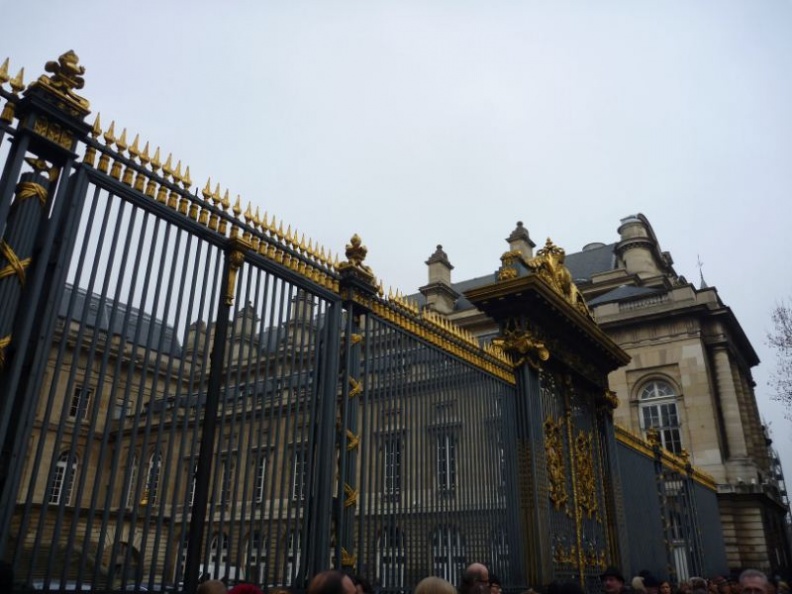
(36,211)
(358,286)
(235,256)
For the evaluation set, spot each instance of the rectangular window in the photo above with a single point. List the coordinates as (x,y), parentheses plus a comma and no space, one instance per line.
(392,466)
(260,478)
(299,470)
(81,399)
(446,462)
(227,485)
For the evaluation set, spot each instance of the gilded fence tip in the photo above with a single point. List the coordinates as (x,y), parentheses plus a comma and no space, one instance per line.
(177,174)
(237,206)
(187,180)
(155,161)
(96,129)
(109,135)
(121,142)
(144,156)
(134,149)
(4,78)
(167,168)
(18,82)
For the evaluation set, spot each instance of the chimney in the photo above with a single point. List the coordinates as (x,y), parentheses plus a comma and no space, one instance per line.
(440,295)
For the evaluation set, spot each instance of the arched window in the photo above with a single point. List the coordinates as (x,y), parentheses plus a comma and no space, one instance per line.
(499,549)
(153,478)
(293,554)
(218,555)
(448,553)
(133,472)
(257,558)
(63,479)
(658,410)
(392,557)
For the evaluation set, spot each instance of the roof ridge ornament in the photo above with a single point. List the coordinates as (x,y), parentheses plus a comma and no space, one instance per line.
(549,264)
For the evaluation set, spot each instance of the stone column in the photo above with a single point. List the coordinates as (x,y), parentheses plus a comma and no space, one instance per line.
(730,407)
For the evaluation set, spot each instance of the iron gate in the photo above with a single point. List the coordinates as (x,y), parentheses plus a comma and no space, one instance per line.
(188,389)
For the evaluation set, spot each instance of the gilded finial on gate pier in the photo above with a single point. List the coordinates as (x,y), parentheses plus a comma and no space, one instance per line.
(356,252)
(66,77)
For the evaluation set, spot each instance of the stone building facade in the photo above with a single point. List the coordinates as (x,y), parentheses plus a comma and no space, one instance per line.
(689,376)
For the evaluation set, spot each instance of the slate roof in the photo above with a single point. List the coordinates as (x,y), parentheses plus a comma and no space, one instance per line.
(90,310)
(582,265)
(621,293)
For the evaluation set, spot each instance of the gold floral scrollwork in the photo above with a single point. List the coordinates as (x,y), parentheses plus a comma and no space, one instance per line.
(25,190)
(356,338)
(347,559)
(554,452)
(4,342)
(54,132)
(351,495)
(586,485)
(611,399)
(564,556)
(235,260)
(595,558)
(353,441)
(508,269)
(653,437)
(15,266)
(549,265)
(525,346)
(355,387)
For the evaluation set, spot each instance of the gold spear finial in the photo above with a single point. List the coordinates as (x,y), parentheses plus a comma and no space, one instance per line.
(155,161)
(207,191)
(109,135)
(4,72)
(18,82)
(177,174)
(187,180)
(96,129)
(121,142)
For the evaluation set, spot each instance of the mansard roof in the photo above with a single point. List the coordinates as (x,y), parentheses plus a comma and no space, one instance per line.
(621,293)
(128,322)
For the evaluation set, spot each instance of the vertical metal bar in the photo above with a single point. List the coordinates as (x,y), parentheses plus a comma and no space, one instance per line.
(204,466)
(327,394)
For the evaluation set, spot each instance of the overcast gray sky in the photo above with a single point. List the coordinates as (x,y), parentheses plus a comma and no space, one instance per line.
(415,123)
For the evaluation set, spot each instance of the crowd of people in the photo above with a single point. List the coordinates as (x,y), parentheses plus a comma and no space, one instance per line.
(476,579)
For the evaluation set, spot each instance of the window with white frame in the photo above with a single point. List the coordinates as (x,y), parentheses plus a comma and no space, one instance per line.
(81,399)
(63,479)
(393,455)
(499,550)
(133,473)
(446,461)
(658,410)
(293,553)
(218,554)
(227,481)
(448,553)
(299,473)
(153,478)
(392,557)
(191,472)
(260,477)
(257,558)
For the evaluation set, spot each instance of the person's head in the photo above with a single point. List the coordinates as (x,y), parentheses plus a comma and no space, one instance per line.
(558,587)
(753,581)
(331,582)
(651,583)
(665,587)
(612,580)
(211,587)
(245,589)
(475,579)
(362,585)
(434,585)
(494,584)
(698,585)
(637,584)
